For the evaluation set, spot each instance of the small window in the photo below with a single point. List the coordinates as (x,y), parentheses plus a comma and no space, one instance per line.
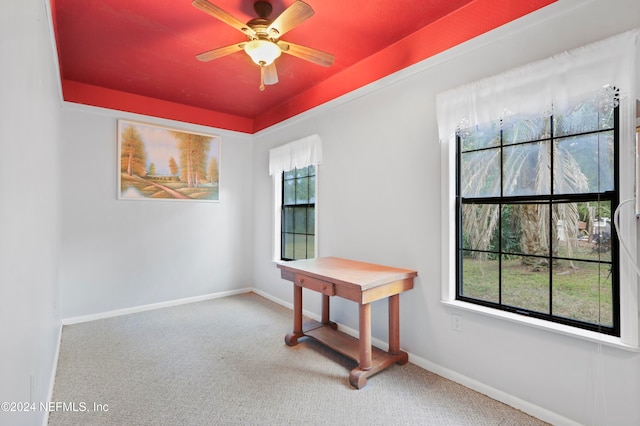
(298,213)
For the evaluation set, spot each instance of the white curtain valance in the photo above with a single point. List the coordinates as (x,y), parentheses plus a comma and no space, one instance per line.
(555,83)
(297,154)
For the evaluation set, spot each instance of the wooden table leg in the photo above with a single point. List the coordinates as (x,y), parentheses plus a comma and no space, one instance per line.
(358,376)
(292,338)
(394,324)
(394,330)
(325,309)
(325,313)
(365,337)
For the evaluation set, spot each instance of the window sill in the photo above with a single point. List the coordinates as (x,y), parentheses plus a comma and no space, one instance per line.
(590,336)
(281,261)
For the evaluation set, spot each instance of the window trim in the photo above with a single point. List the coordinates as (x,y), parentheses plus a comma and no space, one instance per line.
(546,199)
(277,215)
(629,339)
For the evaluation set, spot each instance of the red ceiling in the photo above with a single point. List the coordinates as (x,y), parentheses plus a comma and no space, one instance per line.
(139,55)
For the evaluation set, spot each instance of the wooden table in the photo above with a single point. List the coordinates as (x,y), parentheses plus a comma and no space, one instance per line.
(362,283)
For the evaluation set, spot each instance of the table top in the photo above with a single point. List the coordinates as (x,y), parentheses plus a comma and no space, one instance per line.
(348,272)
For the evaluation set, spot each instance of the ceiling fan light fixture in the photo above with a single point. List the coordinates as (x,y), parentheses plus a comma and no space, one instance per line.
(262,52)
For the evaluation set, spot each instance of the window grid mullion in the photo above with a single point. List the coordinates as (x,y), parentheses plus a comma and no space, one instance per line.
(552,187)
(500,214)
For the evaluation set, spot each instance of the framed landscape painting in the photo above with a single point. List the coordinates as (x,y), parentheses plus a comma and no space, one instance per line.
(160,163)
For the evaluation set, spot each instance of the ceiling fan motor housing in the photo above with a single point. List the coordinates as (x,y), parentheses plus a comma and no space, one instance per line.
(263,9)
(261,24)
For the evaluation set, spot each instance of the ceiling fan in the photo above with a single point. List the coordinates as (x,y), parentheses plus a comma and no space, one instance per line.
(264,45)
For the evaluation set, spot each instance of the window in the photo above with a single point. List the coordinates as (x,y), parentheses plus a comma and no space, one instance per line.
(294,168)
(298,213)
(538,177)
(536,197)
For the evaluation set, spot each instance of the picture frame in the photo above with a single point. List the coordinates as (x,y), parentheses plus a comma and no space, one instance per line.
(158,163)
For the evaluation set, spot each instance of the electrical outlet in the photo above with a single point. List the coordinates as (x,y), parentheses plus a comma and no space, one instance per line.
(456,322)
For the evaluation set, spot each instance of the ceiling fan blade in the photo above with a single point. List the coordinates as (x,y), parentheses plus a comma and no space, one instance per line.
(293,16)
(308,54)
(270,74)
(225,17)
(220,52)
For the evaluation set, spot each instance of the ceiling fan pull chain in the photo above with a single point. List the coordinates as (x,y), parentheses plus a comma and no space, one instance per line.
(261,77)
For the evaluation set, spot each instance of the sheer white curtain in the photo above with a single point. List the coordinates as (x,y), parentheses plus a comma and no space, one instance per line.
(297,154)
(555,83)
(596,72)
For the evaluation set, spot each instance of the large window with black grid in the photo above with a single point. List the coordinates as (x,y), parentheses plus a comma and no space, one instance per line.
(535,202)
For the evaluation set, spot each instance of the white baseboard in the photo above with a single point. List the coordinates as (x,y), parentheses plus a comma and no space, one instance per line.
(309,314)
(508,399)
(498,395)
(143,308)
(54,371)
(272,298)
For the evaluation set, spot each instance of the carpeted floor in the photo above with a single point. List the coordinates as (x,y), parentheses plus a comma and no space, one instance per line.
(224,361)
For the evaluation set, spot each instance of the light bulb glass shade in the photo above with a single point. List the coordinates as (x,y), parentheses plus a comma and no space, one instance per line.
(262,52)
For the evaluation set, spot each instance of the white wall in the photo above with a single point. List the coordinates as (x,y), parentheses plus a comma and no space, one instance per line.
(378,201)
(119,254)
(29,207)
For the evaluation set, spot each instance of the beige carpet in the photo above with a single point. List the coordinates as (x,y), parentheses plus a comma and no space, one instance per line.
(224,361)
